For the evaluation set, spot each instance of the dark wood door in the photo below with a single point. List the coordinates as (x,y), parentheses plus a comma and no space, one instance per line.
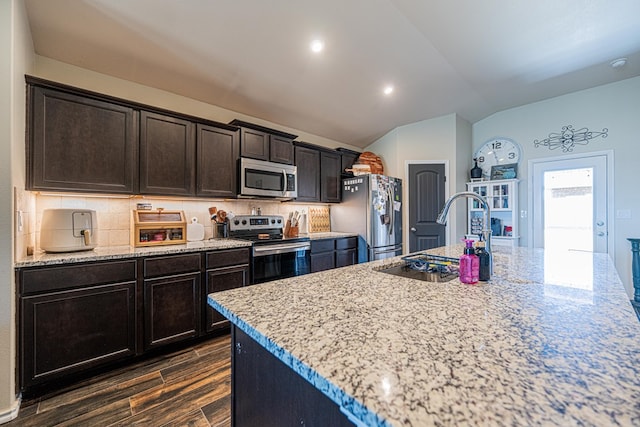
(265,392)
(281,150)
(81,144)
(222,279)
(63,333)
(254,144)
(308,163)
(217,157)
(330,177)
(171,309)
(426,198)
(167,155)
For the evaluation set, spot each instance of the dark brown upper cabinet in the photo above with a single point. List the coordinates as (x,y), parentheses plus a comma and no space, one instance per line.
(319,178)
(80,143)
(217,162)
(167,155)
(330,178)
(261,143)
(308,164)
(348,158)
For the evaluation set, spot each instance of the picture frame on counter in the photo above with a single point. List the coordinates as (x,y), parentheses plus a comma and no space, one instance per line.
(508,171)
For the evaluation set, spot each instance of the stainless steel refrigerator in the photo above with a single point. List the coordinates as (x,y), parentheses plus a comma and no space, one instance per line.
(372,207)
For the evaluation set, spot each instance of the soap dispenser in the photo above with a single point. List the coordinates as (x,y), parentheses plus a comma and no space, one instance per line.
(484,259)
(469,264)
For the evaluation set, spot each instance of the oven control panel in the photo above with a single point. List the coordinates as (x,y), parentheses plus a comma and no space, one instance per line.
(256,222)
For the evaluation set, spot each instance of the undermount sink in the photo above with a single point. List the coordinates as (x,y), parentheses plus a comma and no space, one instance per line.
(425,267)
(427,276)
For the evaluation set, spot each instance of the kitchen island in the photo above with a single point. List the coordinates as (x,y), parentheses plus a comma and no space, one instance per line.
(552,339)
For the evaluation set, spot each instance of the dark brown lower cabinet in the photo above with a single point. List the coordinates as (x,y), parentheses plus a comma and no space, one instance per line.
(75,318)
(266,392)
(226,269)
(172,309)
(67,331)
(332,253)
(171,298)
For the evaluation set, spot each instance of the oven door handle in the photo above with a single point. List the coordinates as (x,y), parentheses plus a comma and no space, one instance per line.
(280,248)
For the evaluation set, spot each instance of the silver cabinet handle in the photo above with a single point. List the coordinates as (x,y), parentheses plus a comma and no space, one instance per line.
(601,233)
(600,223)
(413,229)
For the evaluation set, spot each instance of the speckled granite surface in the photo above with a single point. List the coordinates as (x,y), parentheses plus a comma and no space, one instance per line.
(119,252)
(551,340)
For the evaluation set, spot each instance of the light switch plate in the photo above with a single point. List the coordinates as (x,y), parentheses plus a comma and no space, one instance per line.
(623,214)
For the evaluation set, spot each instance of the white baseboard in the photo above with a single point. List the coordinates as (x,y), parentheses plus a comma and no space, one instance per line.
(11,413)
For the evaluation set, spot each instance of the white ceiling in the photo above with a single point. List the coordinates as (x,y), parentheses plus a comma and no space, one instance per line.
(470,57)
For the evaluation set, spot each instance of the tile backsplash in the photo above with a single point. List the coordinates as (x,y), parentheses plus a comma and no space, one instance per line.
(114,213)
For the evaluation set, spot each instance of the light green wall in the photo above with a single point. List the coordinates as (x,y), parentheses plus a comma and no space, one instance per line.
(614,106)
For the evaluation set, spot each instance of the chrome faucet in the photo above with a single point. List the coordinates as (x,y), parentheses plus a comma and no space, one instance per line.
(486,228)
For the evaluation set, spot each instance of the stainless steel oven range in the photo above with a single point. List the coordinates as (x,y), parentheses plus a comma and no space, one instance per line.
(274,256)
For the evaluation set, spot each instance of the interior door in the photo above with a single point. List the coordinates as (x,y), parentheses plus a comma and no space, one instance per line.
(426,198)
(570,204)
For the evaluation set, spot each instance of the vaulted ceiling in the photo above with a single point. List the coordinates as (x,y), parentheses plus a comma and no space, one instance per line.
(469,57)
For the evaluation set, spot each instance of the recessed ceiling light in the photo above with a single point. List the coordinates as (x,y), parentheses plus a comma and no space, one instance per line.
(317,46)
(388,90)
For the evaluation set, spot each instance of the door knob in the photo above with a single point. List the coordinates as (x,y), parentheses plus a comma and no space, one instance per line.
(413,229)
(600,223)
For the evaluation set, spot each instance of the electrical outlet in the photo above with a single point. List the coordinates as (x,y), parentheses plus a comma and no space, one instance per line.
(19,221)
(523,214)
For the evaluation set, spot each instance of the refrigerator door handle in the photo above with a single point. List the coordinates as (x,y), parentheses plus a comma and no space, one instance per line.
(393,215)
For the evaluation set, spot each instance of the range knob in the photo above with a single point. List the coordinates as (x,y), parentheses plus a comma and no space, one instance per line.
(236,222)
(244,222)
(273,221)
(279,221)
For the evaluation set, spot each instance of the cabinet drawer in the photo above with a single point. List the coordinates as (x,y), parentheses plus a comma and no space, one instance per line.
(74,276)
(324,245)
(169,265)
(226,258)
(347,243)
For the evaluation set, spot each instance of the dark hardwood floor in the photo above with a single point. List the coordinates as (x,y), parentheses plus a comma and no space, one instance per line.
(189,387)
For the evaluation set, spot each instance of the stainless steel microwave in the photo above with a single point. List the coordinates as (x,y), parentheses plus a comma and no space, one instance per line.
(267,179)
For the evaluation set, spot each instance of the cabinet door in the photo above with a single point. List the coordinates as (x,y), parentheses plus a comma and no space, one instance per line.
(218,154)
(81,144)
(281,150)
(323,261)
(171,309)
(254,144)
(67,332)
(167,155)
(222,279)
(346,257)
(266,392)
(348,158)
(308,163)
(330,177)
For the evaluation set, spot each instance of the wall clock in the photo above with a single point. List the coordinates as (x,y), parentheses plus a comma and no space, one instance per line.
(497,151)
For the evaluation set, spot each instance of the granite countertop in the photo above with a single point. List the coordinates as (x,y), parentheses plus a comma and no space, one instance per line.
(119,252)
(552,339)
(42,258)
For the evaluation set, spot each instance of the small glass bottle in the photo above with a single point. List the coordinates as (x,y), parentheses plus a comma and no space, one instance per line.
(484,259)
(469,265)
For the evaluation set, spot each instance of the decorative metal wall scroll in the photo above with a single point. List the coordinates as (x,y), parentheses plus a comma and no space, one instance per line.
(569,137)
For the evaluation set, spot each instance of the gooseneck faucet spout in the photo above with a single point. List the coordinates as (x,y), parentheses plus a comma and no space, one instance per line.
(486,227)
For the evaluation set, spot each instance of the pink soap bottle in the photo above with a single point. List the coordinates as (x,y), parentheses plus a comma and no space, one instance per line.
(469,264)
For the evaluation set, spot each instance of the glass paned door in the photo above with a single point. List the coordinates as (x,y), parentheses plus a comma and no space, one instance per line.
(570,204)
